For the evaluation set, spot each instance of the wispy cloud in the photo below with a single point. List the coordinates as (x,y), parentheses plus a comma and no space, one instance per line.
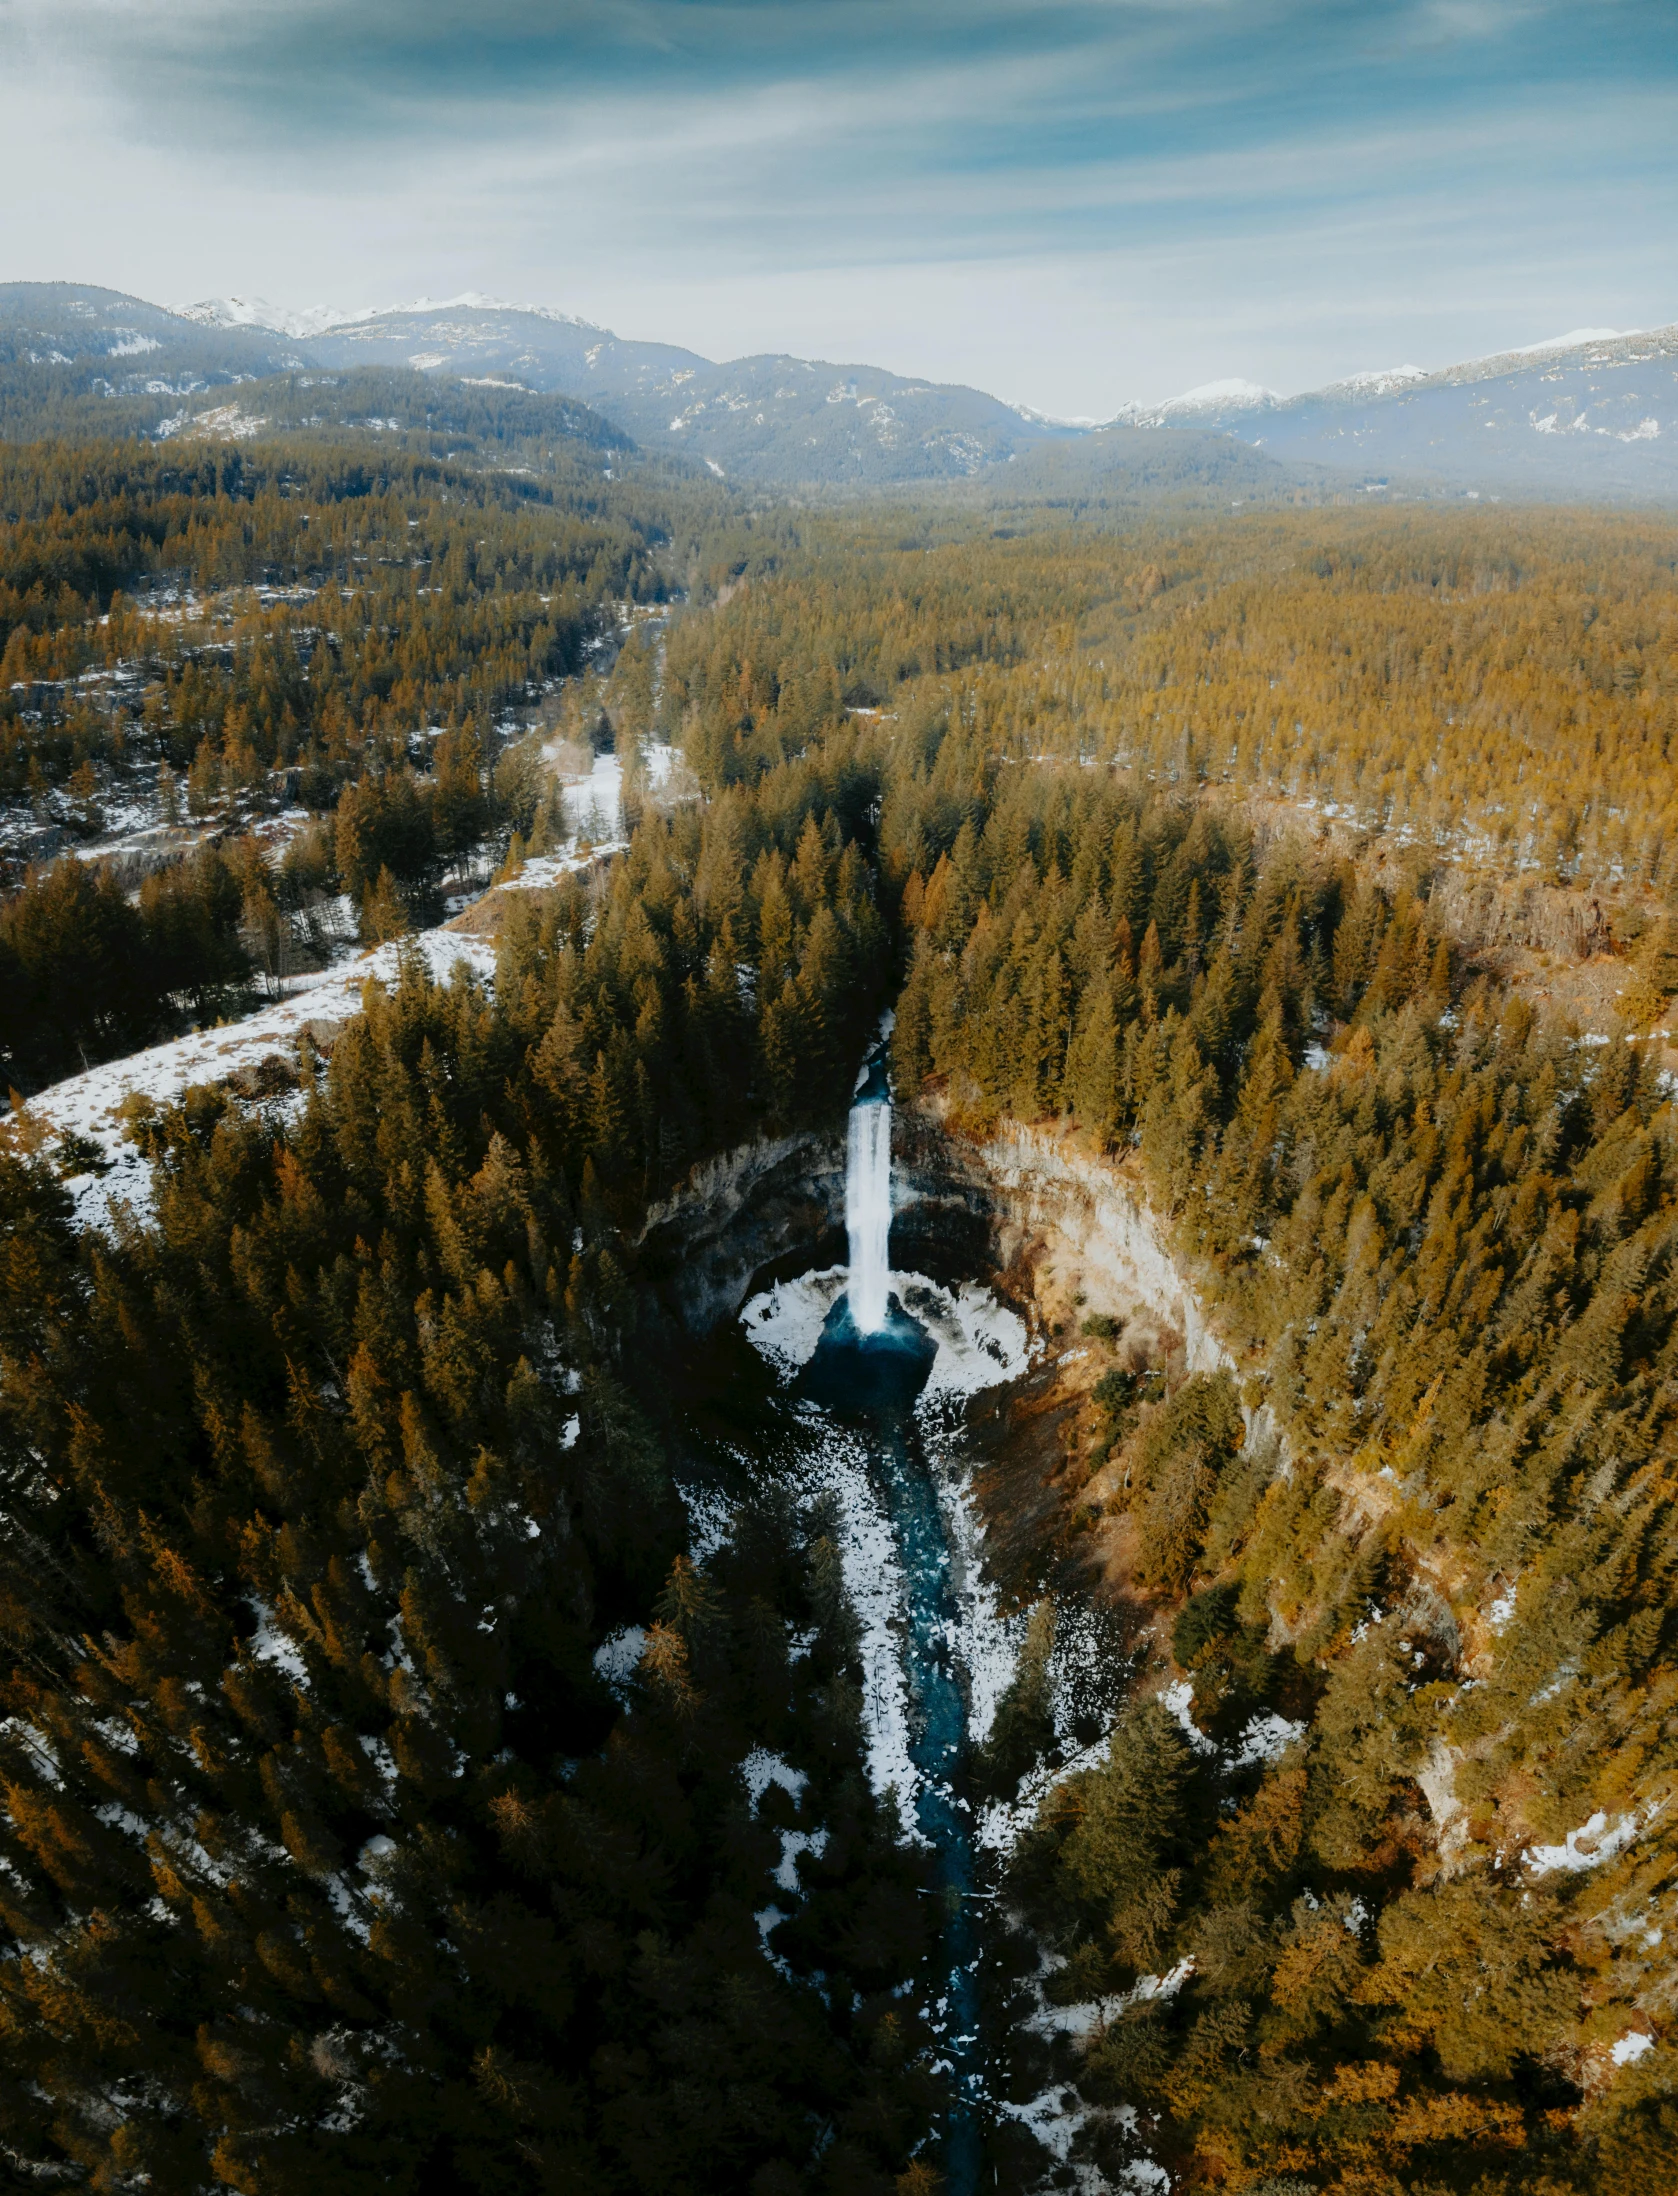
(1185,173)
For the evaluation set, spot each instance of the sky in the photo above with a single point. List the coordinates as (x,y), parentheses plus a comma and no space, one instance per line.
(1071,203)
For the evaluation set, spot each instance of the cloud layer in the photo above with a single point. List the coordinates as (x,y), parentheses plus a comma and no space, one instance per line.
(1071,202)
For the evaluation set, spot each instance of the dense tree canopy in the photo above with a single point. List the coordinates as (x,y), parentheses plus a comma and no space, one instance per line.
(1425,1516)
(331,1858)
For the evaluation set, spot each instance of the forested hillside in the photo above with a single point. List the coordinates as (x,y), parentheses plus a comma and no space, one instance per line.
(331,1858)
(1500,685)
(196,642)
(1438,1232)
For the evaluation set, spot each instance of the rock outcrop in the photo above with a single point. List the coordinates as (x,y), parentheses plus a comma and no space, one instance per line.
(773,1207)
(1048,1209)
(1023,1209)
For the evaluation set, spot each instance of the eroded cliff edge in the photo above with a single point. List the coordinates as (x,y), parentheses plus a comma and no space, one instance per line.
(1024,1209)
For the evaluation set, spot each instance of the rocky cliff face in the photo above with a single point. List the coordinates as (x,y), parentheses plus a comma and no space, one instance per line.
(1073,1230)
(1023,1210)
(769,1208)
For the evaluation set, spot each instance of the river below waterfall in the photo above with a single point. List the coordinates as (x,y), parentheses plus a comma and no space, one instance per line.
(879,1403)
(871,1380)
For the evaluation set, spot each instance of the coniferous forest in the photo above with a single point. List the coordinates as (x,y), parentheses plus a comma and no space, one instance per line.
(1312,876)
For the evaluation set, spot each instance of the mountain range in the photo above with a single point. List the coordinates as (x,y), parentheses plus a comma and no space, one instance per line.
(768,420)
(1595,412)
(1591,415)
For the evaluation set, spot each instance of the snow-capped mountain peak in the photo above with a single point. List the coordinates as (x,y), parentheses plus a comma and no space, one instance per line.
(1212,400)
(1075,422)
(314,320)
(472,301)
(256,312)
(1572,341)
(1233,395)
(1378,381)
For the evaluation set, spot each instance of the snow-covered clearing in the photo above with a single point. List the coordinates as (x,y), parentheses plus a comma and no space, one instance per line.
(594,804)
(594,810)
(90,1105)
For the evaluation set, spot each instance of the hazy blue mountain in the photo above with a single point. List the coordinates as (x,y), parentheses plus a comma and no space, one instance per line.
(769,419)
(79,337)
(1589,415)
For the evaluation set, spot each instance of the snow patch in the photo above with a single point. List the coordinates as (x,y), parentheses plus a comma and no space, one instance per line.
(874,1583)
(766,1918)
(269,1644)
(985,1643)
(1177,1700)
(761,1769)
(1589,1846)
(616,1659)
(1004,1821)
(1265,1738)
(794,1842)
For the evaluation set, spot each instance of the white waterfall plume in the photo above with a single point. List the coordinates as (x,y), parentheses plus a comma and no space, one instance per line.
(868,1212)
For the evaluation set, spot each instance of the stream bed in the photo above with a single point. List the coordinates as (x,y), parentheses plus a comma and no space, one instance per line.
(879,1368)
(872,1380)
(882,1435)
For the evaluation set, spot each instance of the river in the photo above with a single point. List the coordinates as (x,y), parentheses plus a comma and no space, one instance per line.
(869,1369)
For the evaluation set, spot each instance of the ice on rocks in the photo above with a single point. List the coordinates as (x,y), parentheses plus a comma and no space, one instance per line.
(981,1343)
(785,1322)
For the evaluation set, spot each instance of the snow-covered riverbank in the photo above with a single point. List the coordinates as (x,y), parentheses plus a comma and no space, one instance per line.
(90,1107)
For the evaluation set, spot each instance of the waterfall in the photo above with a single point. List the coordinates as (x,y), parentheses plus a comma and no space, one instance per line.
(868,1211)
